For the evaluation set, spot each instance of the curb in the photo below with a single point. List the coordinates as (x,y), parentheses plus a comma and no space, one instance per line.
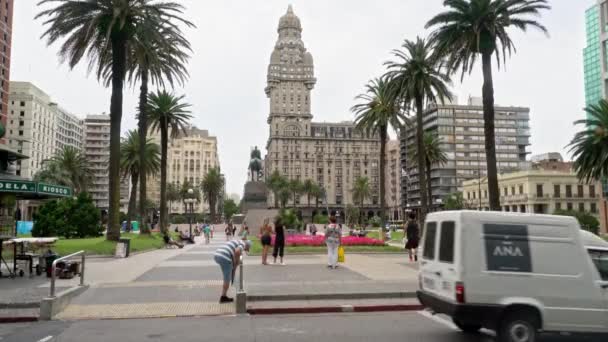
(334,309)
(25,305)
(329,296)
(23,319)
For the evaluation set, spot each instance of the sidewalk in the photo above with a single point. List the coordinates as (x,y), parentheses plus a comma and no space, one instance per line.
(187,282)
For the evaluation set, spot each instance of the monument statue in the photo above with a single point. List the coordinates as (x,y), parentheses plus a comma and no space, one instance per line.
(255,165)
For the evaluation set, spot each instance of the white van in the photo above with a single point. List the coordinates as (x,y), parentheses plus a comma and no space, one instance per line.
(518,274)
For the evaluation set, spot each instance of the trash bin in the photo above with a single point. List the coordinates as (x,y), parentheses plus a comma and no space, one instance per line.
(49,258)
(126,247)
(134,226)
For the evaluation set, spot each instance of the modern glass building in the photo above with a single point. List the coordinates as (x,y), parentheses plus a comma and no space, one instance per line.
(592,56)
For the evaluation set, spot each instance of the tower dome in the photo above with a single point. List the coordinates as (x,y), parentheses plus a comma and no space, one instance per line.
(290,20)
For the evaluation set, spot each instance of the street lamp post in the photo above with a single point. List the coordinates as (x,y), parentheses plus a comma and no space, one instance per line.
(190,201)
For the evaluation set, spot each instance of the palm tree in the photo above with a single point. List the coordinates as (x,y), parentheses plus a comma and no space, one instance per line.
(173,194)
(361,191)
(317,192)
(377,111)
(479,27)
(417,80)
(69,168)
(169,114)
(276,182)
(131,166)
(284,195)
(433,154)
(92,29)
(590,146)
(213,188)
(295,186)
(308,188)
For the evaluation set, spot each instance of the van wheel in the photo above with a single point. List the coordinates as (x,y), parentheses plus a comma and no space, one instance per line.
(519,326)
(466,327)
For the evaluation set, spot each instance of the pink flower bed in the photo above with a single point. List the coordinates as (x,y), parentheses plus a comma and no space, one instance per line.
(319,240)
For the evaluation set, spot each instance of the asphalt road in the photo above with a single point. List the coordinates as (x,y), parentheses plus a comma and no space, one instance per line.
(385,327)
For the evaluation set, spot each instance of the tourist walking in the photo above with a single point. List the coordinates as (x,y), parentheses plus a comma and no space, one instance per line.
(266,240)
(227,257)
(333,240)
(207,233)
(244,233)
(412,233)
(279,240)
(228,231)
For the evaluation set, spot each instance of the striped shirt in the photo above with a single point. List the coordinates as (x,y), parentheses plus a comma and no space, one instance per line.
(227,250)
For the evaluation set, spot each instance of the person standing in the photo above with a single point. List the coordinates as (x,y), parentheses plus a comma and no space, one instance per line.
(228,257)
(228,231)
(333,240)
(244,233)
(266,241)
(412,232)
(207,233)
(279,240)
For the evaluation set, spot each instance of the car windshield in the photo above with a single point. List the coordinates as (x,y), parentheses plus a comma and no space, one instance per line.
(600,260)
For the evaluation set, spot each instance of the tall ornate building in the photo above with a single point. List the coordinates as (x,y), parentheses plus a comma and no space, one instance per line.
(331,154)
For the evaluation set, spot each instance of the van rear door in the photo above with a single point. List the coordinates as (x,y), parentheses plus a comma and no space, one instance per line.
(438,270)
(599,256)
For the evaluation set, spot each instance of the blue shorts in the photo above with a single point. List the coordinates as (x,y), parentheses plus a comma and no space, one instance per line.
(226,267)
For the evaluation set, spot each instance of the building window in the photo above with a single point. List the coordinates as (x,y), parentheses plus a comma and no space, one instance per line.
(539,190)
(591,191)
(579,190)
(512,190)
(569,206)
(593,208)
(22,103)
(505,191)
(22,113)
(521,189)
(581,207)
(568,191)
(556,190)
(558,206)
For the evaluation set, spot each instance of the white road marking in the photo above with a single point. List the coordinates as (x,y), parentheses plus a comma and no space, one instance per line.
(46,339)
(439,319)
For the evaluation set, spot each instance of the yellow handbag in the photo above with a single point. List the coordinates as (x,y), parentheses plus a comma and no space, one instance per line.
(340,254)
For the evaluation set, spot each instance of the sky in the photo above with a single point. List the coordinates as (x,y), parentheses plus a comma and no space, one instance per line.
(349,40)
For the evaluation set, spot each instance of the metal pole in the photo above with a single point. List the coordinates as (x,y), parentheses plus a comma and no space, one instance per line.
(241,274)
(479,178)
(191,217)
(54,268)
(82,271)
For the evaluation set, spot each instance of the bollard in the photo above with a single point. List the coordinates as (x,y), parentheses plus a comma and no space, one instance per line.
(241,295)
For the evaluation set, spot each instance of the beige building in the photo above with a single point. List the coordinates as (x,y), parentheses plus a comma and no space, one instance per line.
(97,152)
(190,157)
(331,154)
(537,191)
(392,181)
(38,127)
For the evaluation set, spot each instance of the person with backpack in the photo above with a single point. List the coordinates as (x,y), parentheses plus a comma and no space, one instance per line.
(412,232)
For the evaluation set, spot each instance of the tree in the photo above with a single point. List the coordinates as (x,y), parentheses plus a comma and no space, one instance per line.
(69,218)
(308,188)
(433,154)
(454,201)
(230,208)
(417,79)
(295,187)
(361,191)
(377,111)
(213,188)
(586,220)
(284,195)
(352,215)
(275,183)
(470,28)
(169,114)
(173,194)
(69,168)
(131,165)
(317,192)
(92,29)
(589,147)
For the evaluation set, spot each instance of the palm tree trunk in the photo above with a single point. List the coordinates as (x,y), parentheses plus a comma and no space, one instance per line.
(383,138)
(428,182)
(488,126)
(276,199)
(143,137)
(420,155)
(164,137)
(132,199)
(119,60)
(212,204)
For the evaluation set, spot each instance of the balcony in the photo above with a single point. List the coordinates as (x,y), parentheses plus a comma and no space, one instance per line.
(519,198)
(540,198)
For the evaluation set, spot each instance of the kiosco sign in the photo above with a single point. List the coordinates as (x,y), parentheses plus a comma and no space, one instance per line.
(54,190)
(17,186)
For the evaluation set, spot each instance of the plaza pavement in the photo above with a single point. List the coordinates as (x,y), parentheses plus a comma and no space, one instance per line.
(186,282)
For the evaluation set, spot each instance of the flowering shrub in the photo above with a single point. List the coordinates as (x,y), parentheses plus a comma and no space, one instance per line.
(319,240)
